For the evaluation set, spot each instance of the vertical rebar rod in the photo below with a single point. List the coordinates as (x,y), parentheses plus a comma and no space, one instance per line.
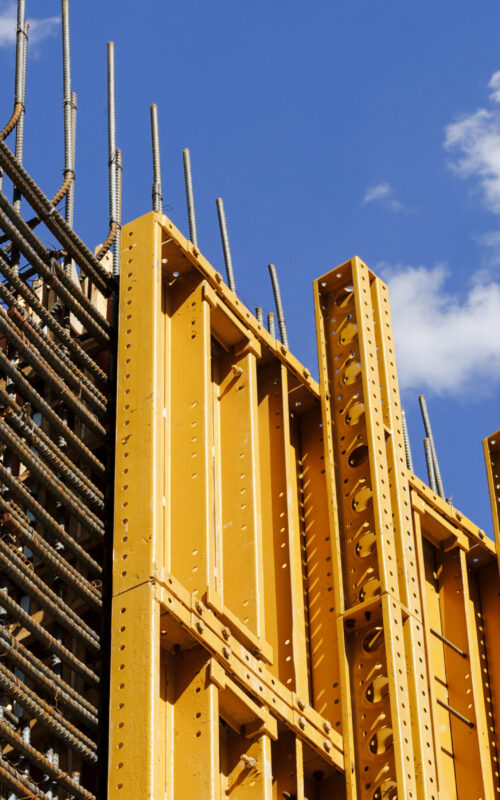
(69,136)
(70,196)
(259,314)
(112,151)
(188,180)
(225,244)
(279,305)
(118,239)
(21,60)
(406,439)
(428,432)
(271,324)
(430,465)
(155,141)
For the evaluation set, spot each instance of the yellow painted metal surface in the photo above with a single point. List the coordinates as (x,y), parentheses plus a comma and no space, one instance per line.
(294,614)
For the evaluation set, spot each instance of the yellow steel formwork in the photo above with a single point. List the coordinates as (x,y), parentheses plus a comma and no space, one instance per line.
(294,614)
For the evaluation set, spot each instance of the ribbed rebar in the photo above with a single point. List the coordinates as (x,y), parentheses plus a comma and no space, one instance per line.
(28,295)
(55,222)
(157,195)
(39,470)
(19,655)
(41,710)
(188,181)
(19,783)
(279,305)
(225,244)
(33,250)
(14,522)
(47,411)
(52,644)
(37,758)
(406,440)
(19,147)
(57,532)
(33,357)
(67,101)
(428,433)
(78,382)
(260,315)
(430,465)
(271,324)
(38,439)
(117,246)
(27,579)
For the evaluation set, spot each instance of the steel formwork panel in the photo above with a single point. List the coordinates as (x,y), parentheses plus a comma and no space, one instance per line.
(290,602)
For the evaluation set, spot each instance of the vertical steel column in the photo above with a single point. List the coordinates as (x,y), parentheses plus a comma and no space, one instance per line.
(378,599)
(136,747)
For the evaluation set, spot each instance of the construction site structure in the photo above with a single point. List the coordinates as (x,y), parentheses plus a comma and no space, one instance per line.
(220,578)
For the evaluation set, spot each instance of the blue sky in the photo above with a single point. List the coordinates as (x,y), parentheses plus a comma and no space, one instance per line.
(368,127)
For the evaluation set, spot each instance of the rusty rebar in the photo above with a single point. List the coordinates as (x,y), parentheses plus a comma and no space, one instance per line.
(58,725)
(14,522)
(28,295)
(47,411)
(36,757)
(55,486)
(38,439)
(39,673)
(33,357)
(26,578)
(58,360)
(188,181)
(225,244)
(46,638)
(49,523)
(55,222)
(19,783)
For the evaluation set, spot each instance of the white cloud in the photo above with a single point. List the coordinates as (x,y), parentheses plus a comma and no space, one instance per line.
(39,29)
(475,139)
(444,344)
(383,194)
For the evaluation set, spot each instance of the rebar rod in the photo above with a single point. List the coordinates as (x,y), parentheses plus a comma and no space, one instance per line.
(50,376)
(157,196)
(26,578)
(20,783)
(19,527)
(70,196)
(271,324)
(19,145)
(279,305)
(449,644)
(39,469)
(188,181)
(117,245)
(430,465)
(48,412)
(19,655)
(67,105)
(78,382)
(225,244)
(49,523)
(38,439)
(55,222)
(260,315)
(40,258)
(37,758)
(406,440)
(112,167)
(428,433)
(42,711)
(455,713)
(49,641)
(28,295)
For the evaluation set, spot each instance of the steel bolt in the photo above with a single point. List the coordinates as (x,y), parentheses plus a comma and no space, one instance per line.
(327,727)
(302,723)
(327,745)
(226,633)
(200,627)
(226,652)
(301,704)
